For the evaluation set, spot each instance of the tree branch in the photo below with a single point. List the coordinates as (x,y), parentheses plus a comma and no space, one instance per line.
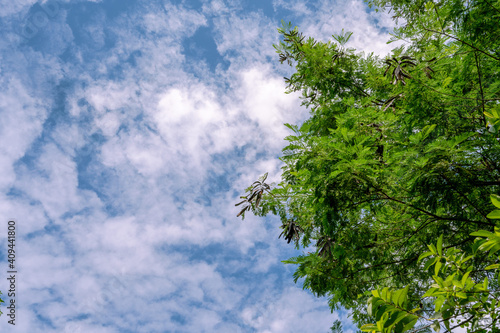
(480,88)
(464,42)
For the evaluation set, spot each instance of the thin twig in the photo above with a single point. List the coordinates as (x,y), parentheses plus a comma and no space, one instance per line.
(480,87)
(460,97)
(464,42)
(495,8)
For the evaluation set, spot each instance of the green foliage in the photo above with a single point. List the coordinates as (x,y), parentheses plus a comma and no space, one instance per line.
(397,153)
(455,299)
(252,200)
(495,199)
(336,327)
(391,310)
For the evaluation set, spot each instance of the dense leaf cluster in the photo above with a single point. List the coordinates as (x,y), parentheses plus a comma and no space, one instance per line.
(397,151)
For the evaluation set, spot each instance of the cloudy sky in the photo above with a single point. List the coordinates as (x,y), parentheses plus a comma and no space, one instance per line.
(128,130)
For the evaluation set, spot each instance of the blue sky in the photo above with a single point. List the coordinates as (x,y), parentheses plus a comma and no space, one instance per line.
(128,130)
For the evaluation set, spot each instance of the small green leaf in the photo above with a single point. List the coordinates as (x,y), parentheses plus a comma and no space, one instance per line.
(429,263)
(435,326)
(464,278)
(305,127)
(427,130)
(429,5)
(440,246)
(495,199)
(437,315)
(368,328)
(402,296)
(457,283)
(424,255)
(494,214)
(292,127)
(447,81)
(386,294)
(369,309)
(447,324)
(483,233)
(489,115)
(335,173)
(410,325)
(430,292)
(437,267)
(466,259)
(380,325)
(399,317)
(438,303)
(395,296)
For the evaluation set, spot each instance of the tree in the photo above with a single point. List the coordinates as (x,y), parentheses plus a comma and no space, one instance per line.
(455,299)
(398,153)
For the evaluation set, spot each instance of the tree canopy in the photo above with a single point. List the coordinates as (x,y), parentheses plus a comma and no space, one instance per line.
(399,153)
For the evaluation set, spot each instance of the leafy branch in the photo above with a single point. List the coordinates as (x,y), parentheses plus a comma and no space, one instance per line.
(253,199)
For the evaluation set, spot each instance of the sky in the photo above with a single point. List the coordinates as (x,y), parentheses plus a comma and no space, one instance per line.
(128,130)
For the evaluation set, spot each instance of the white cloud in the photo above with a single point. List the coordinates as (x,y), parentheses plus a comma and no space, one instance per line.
(55,185)
(266,104)
(180,20)
(14,7)
(245,39)
(21,122)
(128,188)
(294,310)
(331,17)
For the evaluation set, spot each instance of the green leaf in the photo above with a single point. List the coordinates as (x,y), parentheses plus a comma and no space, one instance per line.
(369,309)
(427,130)
(336,173)
(401,298)
(424,255)
(489,115)
(457,283)
(435,326)
(446,82)
(440,246)
(292,127)
(368,328)
(495,199)
(437,315)
(410,325)
(483,233)
(491,245)
(429,263)
(437,267)
(380,323)
(305,127)
(494,214)
(399,316)
(430,292)
(465,277)
(438,303)
(447,325)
